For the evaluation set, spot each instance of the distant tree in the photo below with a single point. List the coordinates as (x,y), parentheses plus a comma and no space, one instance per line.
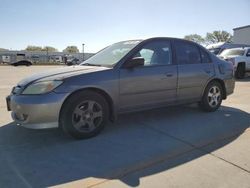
(71,49)
(218,36)
(195,38)
(3,49)
(33,48)
(39,48)
(49,49)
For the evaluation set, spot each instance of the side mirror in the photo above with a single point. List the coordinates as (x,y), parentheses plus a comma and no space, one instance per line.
(135,62)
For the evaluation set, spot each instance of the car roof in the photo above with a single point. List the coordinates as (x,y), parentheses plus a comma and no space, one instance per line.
(215,45)
(239,48)
(170,38)
(226,45)
(155,38)
(138,41)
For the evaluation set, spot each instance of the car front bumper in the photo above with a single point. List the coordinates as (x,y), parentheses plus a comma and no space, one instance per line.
(36,111)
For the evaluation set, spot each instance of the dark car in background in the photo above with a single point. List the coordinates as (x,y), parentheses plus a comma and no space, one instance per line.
(21,62)
(72,61)
(124,77)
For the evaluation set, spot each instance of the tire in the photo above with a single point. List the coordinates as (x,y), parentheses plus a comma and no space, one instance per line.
(212,97)
(240,71)
(84,115)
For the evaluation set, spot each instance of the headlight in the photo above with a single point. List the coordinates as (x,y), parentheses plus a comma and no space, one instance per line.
(41,87)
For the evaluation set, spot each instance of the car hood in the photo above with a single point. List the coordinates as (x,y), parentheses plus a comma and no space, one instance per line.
(228,57)
(61,73)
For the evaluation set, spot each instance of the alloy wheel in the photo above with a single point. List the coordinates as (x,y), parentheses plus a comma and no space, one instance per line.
(87,116)
(214,96)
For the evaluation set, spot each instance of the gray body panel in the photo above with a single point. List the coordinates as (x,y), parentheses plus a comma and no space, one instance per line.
(192,78)
(129,89)
(147,86)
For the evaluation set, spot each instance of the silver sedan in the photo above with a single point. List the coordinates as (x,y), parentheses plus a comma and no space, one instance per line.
(126,76)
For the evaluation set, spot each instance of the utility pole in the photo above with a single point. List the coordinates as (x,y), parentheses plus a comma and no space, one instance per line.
(83,51)
(47,53)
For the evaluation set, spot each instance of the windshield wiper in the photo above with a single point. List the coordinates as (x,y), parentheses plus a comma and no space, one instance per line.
(89,64)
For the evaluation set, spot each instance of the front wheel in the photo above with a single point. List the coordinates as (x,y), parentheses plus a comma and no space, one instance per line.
(212,97)
(84,114)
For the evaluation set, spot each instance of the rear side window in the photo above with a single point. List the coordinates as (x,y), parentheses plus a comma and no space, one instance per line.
(187,53)
(205,57)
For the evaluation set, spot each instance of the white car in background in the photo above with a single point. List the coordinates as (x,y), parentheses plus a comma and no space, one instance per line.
(6,59)
(240,57)
(218,48)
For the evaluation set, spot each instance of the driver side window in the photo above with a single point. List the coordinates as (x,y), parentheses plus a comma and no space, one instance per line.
(147,54)
(156,53)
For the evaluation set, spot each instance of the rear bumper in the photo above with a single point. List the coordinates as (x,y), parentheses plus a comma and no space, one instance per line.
(229,86)
(36,111)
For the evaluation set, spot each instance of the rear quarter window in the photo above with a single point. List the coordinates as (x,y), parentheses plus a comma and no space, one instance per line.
(205,57)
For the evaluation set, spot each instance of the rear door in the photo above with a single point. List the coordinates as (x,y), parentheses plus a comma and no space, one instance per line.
(195,68)
(152,84)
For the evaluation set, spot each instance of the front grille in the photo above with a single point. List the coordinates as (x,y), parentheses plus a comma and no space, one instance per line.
(16,90)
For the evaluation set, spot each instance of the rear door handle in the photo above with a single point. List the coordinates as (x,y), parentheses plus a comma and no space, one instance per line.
(207,71)
(169,74)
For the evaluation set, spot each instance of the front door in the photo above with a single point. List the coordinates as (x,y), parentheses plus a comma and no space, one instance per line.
(152,84)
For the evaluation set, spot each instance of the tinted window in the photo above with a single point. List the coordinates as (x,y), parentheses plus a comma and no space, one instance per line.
(156,53)
(187,53)
(205,57)
(147,54)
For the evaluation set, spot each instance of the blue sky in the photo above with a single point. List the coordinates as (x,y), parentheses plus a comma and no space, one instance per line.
(98,23)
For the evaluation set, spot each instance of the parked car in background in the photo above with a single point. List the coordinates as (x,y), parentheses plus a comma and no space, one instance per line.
(240,57)
(72,61)
(6,59)
(124,77)
(21,59)
(218,48)
(58,59)
(35,59)
(21,62)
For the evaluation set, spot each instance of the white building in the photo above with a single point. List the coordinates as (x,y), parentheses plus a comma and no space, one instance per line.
(242,35)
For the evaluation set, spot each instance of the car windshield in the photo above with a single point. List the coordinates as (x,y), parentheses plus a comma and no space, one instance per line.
(111,55)
(215,51)
(233,52)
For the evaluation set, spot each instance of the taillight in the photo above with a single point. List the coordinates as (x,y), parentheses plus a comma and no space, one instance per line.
(232,66)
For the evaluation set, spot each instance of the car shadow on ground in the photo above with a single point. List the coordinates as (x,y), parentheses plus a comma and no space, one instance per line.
(42,158)
(246,79)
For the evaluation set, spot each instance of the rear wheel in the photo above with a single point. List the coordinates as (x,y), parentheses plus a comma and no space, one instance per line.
(212,97)
(84,115)
(240,71)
